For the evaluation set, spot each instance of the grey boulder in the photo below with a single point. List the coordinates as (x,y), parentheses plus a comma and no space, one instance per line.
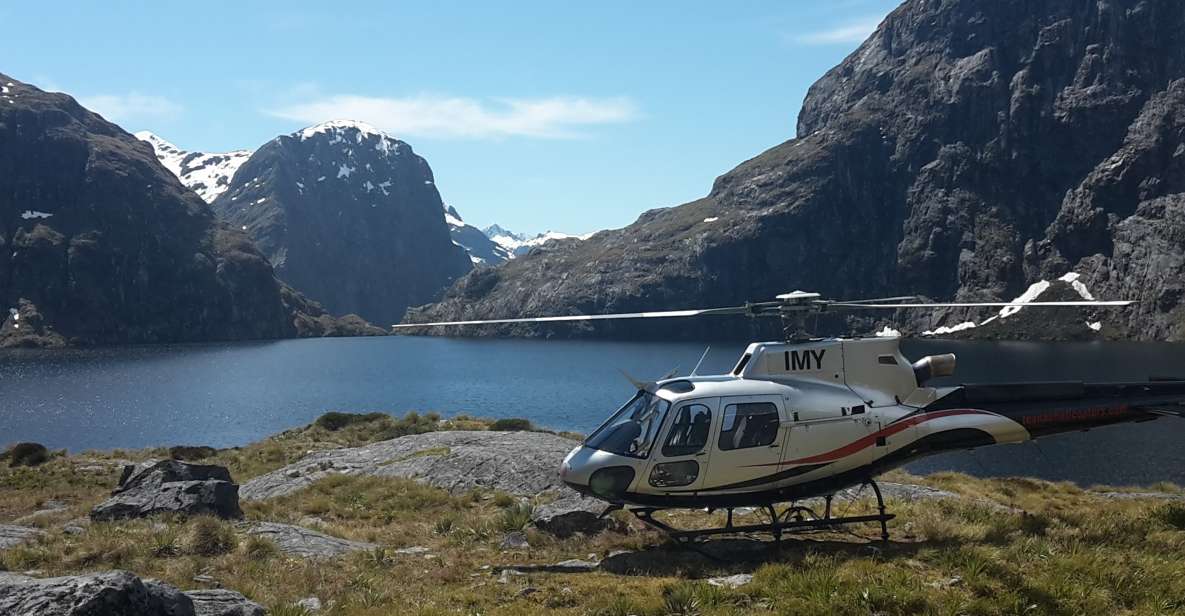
(572,514)
(223,602)
(171,486)
(113,593)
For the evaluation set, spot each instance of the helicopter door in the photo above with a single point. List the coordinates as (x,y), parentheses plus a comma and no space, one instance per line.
(839,443)
(679,464)
(748,445)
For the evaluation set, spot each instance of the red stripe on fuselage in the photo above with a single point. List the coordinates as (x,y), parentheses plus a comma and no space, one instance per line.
(869,440)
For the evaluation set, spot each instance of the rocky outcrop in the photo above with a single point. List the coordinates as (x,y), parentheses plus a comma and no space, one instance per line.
(966,150)
(518,463)
(348,216)
(171,486)
(114,593)
(100,244)
(305,543)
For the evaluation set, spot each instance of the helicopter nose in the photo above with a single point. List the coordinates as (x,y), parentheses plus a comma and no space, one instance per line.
(566,466)
(597,473)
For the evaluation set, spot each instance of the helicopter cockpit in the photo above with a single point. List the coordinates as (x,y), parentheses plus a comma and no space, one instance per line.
(632,430)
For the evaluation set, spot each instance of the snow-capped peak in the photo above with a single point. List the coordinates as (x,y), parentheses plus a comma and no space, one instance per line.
(208,175)
(338,126)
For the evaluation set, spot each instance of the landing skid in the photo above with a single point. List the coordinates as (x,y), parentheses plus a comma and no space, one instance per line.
(793,519)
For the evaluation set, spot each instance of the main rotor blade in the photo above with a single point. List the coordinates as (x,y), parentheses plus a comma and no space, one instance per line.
(899,298)
(984,304)
(591,317)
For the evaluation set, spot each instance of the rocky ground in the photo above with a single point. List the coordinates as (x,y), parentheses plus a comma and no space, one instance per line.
(372,515)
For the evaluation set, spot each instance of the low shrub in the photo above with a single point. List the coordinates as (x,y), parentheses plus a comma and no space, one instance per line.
(334,421)
(26,454)
(191,452)
(512,424)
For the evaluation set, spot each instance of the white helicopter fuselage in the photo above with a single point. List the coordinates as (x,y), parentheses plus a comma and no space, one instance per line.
(795,420)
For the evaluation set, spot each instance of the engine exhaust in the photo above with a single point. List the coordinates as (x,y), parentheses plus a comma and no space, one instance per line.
(932,366)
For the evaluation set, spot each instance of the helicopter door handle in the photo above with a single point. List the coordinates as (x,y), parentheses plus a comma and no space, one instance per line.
(775,445)
(702,453)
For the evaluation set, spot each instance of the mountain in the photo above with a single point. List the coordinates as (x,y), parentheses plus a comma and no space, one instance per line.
(519,244)
(966,150)
(348,216)
(100,244)
(482,250)
(208,175)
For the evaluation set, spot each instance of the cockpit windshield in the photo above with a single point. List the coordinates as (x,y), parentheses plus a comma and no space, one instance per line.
(632,430)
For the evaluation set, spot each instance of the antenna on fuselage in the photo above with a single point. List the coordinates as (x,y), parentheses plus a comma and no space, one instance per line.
(695,370)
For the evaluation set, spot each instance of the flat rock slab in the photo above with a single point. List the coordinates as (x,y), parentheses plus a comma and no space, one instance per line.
(566,566)
(304,542)
(1166,496)
(12,536)
(518,463)
(731,581)
(112,593)
(223,602)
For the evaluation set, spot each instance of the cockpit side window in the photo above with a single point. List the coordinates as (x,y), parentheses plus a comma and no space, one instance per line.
(633,429)
(753,424)
(689,432)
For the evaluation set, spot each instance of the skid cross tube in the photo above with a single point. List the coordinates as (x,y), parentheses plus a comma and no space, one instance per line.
(793,519)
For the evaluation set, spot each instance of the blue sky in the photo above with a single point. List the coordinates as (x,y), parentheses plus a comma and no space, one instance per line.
(535,115)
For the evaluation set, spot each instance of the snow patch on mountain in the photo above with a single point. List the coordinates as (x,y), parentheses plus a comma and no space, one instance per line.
(1030,295)
(207,174)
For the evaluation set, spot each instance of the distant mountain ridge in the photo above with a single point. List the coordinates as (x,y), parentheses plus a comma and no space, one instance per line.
(966,150)
(482,250)
(518,244)
(349,216)
(100,244)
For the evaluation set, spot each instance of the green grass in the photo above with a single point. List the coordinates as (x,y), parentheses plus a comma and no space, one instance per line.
(1061,550)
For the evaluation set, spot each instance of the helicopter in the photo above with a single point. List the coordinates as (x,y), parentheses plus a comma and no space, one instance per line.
(807,417)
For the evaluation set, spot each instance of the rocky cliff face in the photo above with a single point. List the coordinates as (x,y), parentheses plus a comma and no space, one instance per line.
(348,216)
(966,150)
(100,244)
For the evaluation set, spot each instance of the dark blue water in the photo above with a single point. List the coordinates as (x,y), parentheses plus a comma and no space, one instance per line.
(231,394)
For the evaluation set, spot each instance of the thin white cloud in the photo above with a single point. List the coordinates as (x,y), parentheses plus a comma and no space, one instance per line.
(559,117)
(842,34)
(131,106)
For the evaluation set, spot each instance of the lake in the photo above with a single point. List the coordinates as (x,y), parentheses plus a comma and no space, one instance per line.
(232,393)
